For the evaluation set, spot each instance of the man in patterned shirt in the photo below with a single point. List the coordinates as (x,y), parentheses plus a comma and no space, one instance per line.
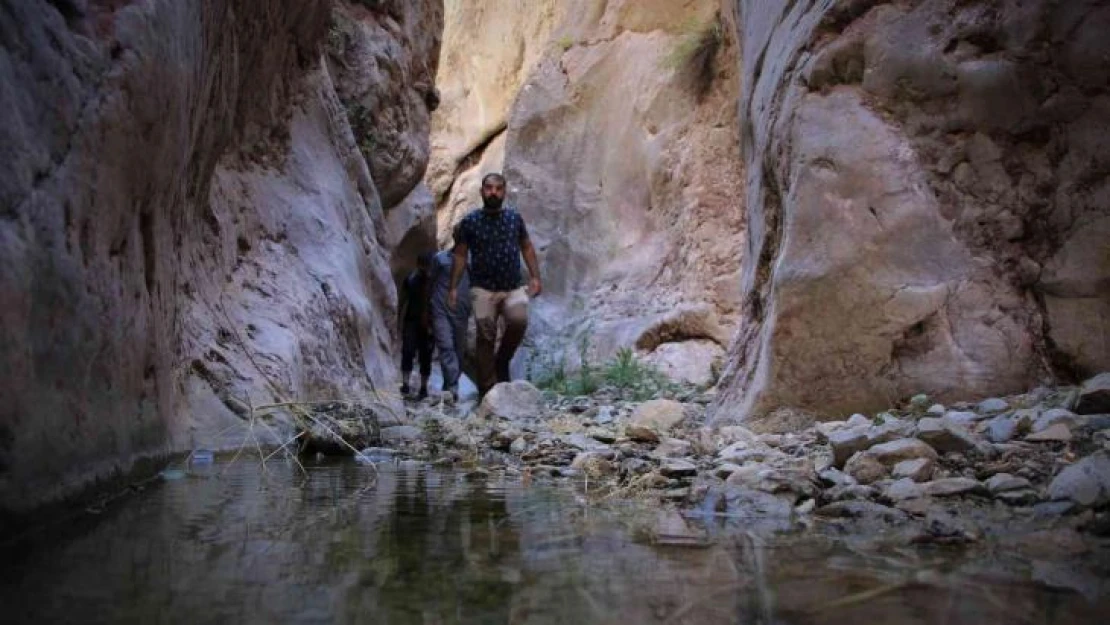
(495,238)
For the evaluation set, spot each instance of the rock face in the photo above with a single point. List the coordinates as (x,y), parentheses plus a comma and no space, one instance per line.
(923,217)
(189,224)
(627,173)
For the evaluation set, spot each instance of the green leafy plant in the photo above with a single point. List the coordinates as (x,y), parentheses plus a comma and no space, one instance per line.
(694,57)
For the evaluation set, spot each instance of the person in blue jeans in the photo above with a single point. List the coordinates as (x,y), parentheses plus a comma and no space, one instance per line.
(449,326)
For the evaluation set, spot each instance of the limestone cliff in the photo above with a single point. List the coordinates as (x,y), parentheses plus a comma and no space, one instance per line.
(623,161)
(191,217)
(928,201)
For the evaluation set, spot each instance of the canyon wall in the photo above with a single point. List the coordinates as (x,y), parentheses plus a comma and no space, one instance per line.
(616,126)
(929,209)
(191,219)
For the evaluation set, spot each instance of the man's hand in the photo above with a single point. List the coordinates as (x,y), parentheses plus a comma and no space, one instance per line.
(452,299)
(535,287)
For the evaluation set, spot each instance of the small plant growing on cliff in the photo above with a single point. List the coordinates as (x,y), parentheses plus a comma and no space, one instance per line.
(694,57)
(566,42)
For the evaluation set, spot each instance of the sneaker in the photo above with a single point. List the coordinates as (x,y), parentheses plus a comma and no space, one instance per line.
(405,390)
(423,393)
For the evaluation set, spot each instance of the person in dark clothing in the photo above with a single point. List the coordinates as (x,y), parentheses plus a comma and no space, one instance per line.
(449,324)
(416,336)
(493,239)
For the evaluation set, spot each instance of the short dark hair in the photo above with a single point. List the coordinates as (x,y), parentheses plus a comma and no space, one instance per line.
(493,176)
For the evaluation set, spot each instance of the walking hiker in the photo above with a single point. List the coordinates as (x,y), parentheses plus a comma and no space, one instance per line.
(449,324)
(416,336)
(495,238)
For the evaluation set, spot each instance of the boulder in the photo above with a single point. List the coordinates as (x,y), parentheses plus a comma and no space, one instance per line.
(943,435)
(918,469)
(512,401)
(903,449)
(1094,395)
(662,415)
(1086,482)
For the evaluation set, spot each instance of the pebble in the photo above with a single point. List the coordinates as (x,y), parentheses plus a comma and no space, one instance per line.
(992,405)
(678,468)
(1056,433)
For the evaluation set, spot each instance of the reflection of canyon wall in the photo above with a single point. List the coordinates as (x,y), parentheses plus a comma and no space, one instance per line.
(188,222)
(630,181)
(929,209)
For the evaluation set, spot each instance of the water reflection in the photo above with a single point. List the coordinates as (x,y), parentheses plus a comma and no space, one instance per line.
(404,544)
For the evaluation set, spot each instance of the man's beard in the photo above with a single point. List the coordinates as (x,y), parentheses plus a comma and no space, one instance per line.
(492,202)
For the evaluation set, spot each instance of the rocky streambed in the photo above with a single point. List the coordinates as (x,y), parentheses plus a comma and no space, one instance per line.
(1029,472)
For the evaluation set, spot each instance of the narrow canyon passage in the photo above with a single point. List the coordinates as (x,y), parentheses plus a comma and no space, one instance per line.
(824,282)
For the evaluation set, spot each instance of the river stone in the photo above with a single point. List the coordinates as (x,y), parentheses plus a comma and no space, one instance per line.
(992,405)
(944,436)
(836,477)
(1053,416)
(846,443)
(858,420)
(641,434)
(511,400)
(1002,428)
(850,491)
(636,466)
(1056,433)
(672,448)
(604,415)
(731,434)
(741,456)
(862,510)
(1086,482)
(518,446)
(903,489)
(937,410)
(1002,482)
(580,441)
(1018,497)
(963,418)
(1094,395)
(675,467)
(662,415)
(824,429)
(401,433)
(903,449)
(865,468)
(918,469)
(601,435)
(949,486)
(725,469)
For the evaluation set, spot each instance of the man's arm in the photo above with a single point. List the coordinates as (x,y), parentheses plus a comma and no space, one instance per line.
(458,265)
(535,285)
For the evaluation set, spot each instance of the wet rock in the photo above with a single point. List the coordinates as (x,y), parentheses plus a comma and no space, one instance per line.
(950,486)
(641,434)
(992,405)
(944,436)
(661,415)
(918,469)
(865,468)
(1056,433)
(1053,416)
(511,400)
(672,448)
(1094,395)
(861,510)
(1086,482)
(1003,482)
(751,503)
(675,467)
(945,528)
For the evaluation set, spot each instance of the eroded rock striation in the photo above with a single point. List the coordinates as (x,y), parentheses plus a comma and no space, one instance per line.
(928,210)
(191,218)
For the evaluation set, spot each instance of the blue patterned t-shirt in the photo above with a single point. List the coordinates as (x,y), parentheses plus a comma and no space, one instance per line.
(493,239)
